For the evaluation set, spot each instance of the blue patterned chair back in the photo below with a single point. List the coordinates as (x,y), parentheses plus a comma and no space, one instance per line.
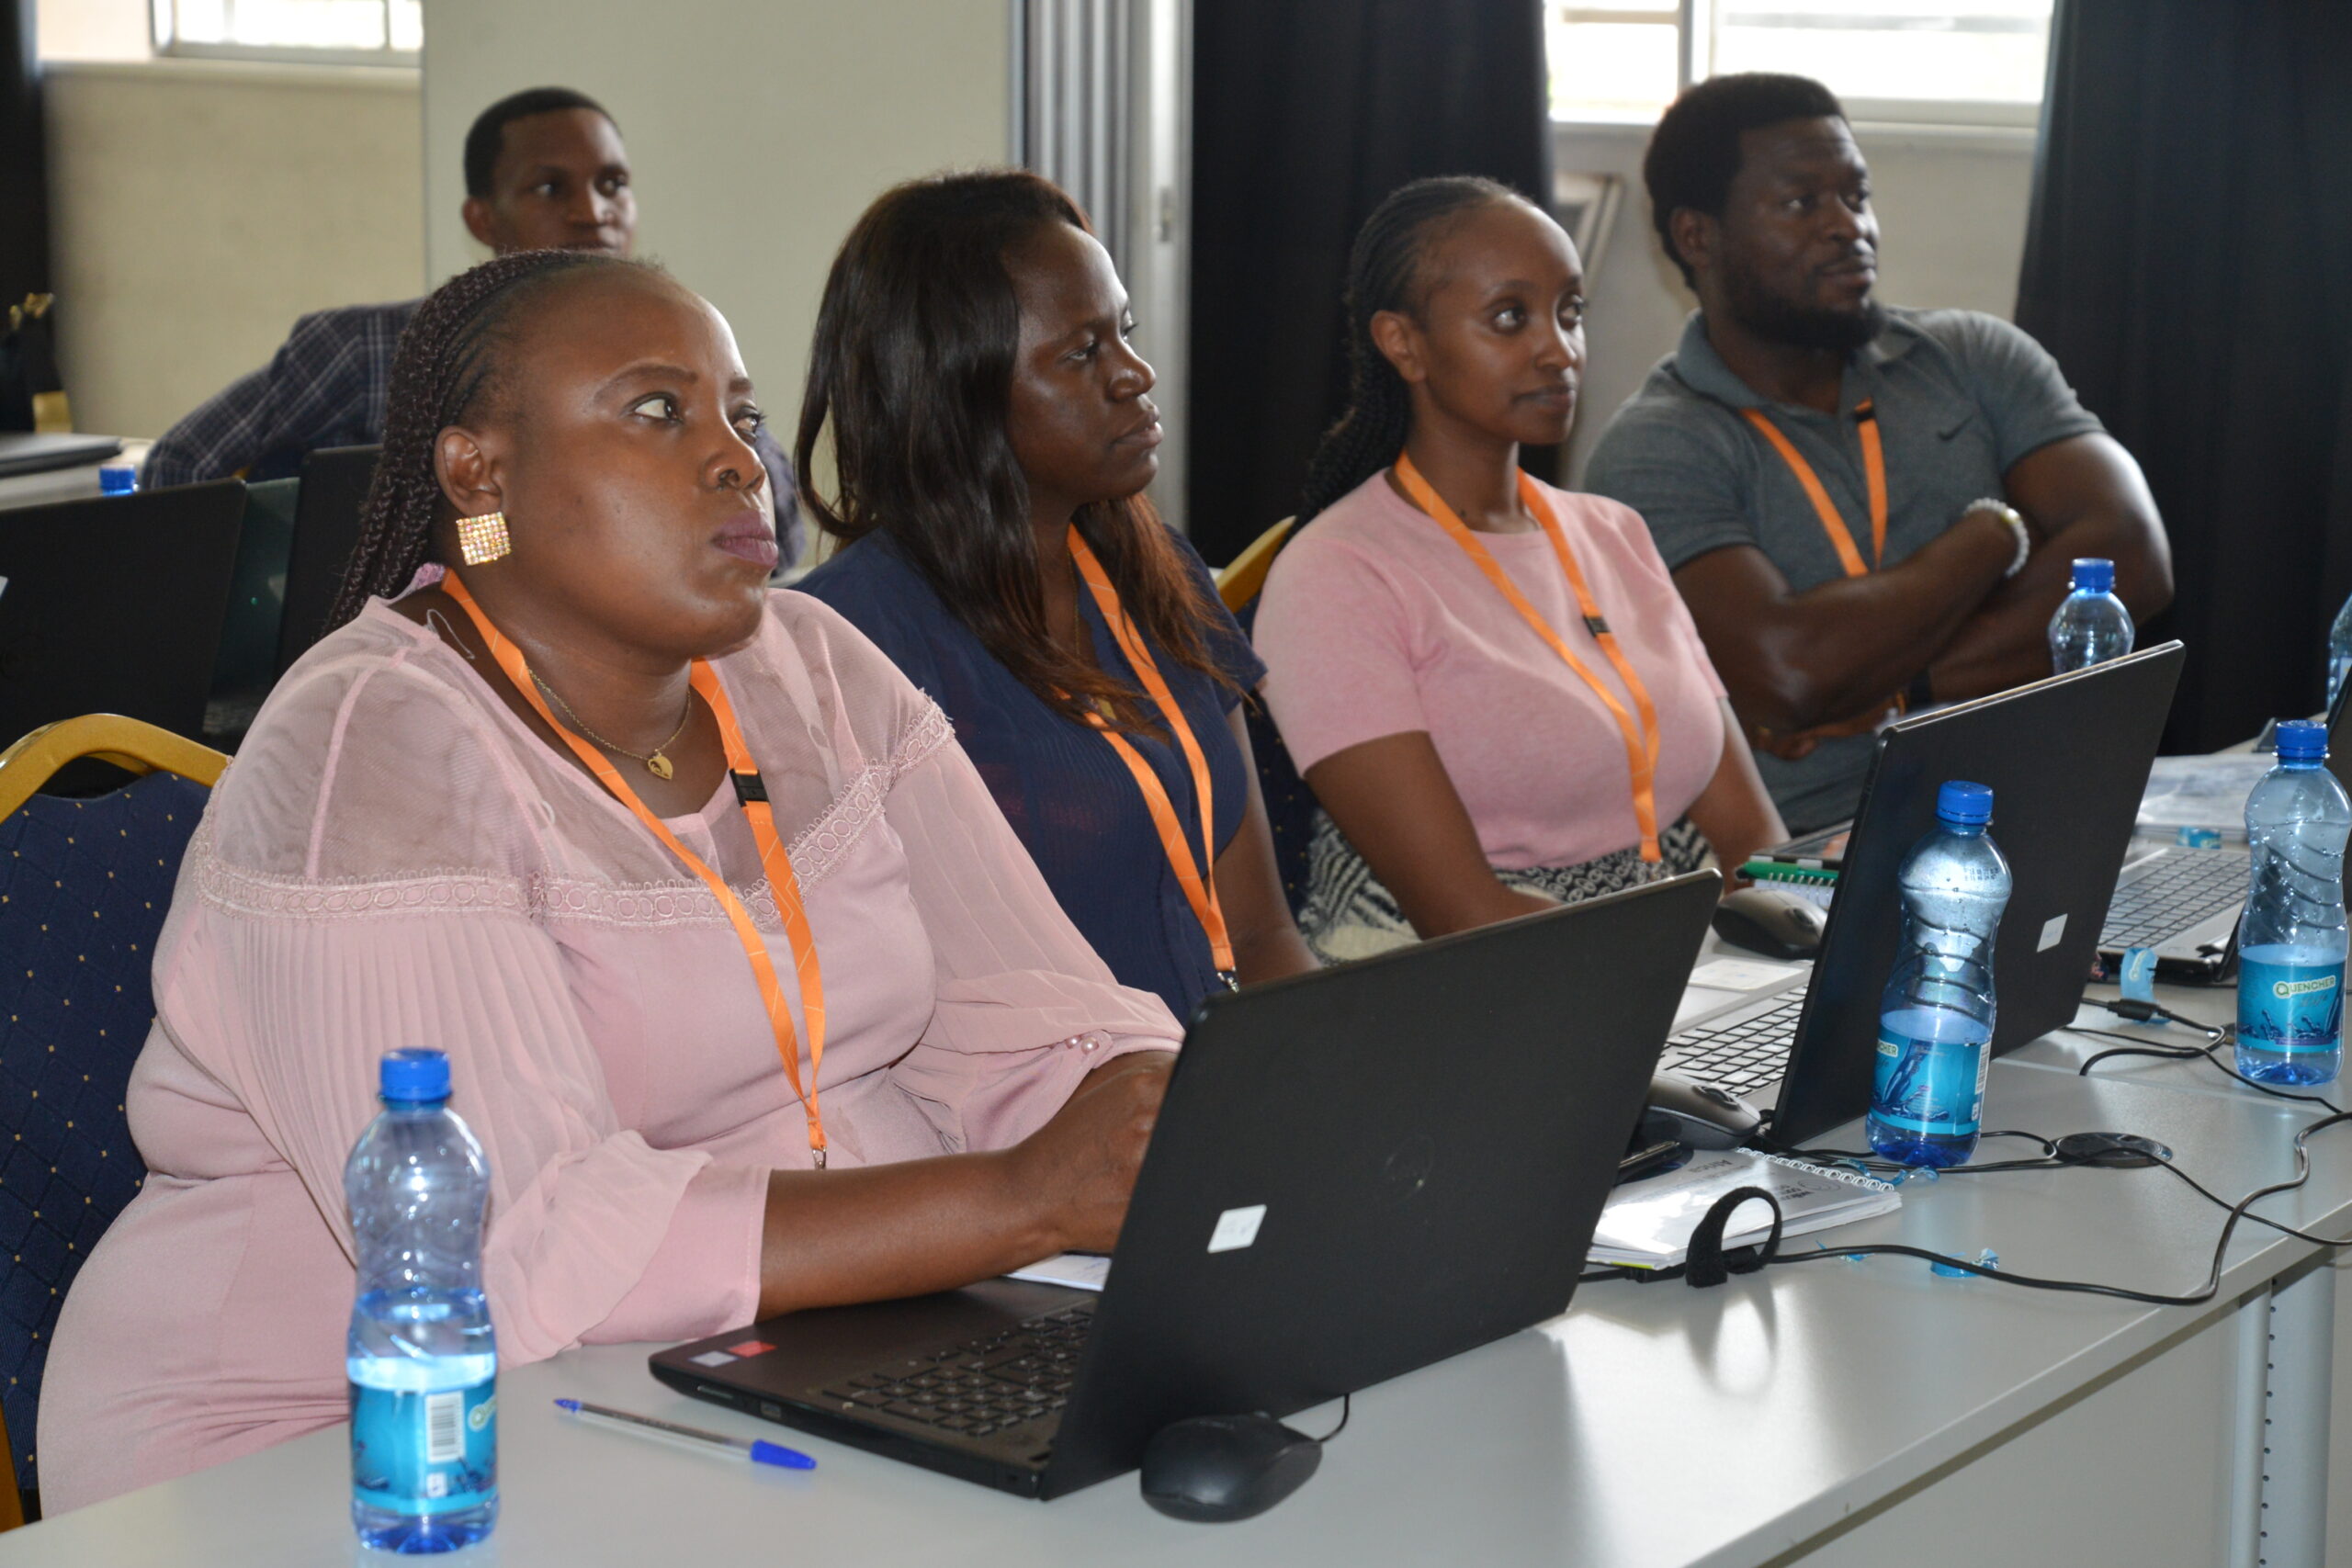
(83,888)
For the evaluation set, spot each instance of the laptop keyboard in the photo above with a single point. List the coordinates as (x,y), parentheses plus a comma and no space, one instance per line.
(2179,890)
(1743,1056)
(983,1385)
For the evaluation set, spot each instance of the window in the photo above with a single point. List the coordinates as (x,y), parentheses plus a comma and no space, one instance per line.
(1974,61)
(364,32)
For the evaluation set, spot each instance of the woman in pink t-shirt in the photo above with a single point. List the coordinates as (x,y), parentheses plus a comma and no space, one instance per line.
(1490,684)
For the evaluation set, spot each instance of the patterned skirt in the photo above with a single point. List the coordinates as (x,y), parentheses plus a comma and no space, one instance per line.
(1350,915)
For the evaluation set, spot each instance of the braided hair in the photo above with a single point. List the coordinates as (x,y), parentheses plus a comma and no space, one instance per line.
(1385,268)
(451,358)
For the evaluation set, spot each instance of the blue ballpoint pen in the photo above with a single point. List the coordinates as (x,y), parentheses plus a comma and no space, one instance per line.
(758,1452)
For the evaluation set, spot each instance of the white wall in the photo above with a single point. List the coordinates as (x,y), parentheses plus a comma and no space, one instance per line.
(198,207)
(1952,209)
(92,30)
(758,130)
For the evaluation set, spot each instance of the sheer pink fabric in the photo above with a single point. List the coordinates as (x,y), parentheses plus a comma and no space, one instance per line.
(394,860)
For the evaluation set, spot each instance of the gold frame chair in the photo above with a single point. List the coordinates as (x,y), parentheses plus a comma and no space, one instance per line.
(26,766)
(1245,576)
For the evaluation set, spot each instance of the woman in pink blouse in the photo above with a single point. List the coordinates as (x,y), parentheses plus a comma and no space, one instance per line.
(1490,684)
(407,851)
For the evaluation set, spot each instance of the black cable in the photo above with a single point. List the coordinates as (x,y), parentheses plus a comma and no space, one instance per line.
(1346,1408)
(1875,1161)
(2221,1202)
(2219,1037)
(2204,1292)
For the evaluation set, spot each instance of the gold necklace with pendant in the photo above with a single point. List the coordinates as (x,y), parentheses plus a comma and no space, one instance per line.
(655,762)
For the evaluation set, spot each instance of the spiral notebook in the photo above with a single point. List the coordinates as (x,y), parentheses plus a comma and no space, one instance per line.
(1647,1224)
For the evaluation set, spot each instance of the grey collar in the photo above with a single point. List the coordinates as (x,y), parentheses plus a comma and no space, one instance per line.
(1698,367)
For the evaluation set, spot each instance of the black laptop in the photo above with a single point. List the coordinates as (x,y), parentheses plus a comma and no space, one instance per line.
(2184,902)
(2067,760)
(22,452)
(1355,1173)
(115,604)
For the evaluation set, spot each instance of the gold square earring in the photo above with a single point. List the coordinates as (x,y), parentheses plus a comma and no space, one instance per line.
(482,539)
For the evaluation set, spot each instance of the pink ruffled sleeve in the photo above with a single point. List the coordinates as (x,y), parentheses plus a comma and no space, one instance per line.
(301,955)
(593,1235)
(1025,1007)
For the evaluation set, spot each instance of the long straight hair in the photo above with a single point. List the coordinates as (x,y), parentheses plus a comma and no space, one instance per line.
(912,370)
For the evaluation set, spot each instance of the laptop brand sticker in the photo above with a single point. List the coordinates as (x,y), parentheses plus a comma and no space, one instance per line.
(2053,930)
(711,1358)
(1236,1228)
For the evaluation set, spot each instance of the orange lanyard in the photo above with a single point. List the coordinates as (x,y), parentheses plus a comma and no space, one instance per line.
(1640,735)
(1198,879)
(1841,538)
(751,792)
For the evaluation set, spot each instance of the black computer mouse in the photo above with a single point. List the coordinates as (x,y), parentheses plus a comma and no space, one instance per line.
(1214,1468)
(1768,920)
(1703,1116)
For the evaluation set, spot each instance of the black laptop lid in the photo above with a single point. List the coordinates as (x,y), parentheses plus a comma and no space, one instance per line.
(115,604)
(326,530)
(2067,760)
(23,452)
(1362,1170)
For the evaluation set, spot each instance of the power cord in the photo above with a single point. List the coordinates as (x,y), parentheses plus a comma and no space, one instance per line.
(2205,1293)
(1712,1268)
(1871,1160)
(2216,1036)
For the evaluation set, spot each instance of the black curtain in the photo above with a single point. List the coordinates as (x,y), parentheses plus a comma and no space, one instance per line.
(1306,113)
(2189,262)
(24,183)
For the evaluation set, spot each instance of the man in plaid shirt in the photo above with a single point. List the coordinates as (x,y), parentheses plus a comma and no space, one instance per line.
(545,169)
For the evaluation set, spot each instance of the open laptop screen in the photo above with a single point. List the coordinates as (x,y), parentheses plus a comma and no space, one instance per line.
(2067,760)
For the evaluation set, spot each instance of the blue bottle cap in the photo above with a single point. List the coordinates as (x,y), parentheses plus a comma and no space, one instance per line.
(118,478)
(1964,804)
(2094,574)
(2301,740)
(416,1074)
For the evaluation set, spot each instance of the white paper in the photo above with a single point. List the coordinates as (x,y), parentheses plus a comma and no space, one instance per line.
(1741,973)
(1080,1270)
(1648,1222)
(2201,792)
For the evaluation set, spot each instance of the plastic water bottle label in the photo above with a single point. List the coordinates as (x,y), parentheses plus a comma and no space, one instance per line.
(2290,1008)
(413,1452)
(1931,1087)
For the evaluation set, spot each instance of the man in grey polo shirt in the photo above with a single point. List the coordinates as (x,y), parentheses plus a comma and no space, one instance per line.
(1864,508)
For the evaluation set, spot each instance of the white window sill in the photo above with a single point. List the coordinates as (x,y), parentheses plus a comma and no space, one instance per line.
(253,72)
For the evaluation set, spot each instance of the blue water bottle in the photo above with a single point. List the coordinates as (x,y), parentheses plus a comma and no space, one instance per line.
(2291,938)
(1935,1024)
(2091,626)
(424,1366)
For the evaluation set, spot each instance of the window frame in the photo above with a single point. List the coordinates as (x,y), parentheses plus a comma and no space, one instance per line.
(1694,19)
(164,18)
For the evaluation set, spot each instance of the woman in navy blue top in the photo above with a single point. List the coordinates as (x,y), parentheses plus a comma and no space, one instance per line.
(991,438)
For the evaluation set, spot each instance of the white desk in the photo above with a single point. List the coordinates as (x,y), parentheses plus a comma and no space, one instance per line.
(1844,1413)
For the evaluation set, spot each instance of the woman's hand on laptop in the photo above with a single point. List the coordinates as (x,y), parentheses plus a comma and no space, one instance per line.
(872,1232)
(1081,1164)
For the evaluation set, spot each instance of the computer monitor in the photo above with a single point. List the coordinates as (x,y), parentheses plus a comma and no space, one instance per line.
(114,605)
(327,514)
